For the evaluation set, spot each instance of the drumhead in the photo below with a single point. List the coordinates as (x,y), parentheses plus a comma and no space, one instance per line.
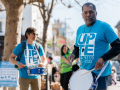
(78,82)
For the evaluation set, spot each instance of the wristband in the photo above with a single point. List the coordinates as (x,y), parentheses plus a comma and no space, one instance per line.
(18,63)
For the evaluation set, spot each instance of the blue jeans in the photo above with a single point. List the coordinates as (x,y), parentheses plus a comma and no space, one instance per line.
(104,82)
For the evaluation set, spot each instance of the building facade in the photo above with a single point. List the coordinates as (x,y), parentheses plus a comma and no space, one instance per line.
(58,31)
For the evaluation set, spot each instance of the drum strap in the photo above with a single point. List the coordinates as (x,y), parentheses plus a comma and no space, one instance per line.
(38,54)
(102,70)
(27,61)
(95,83)
(28,53)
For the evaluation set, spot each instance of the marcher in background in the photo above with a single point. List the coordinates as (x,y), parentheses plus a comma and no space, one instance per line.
(54,68)
(92,45)
(66,68)
(29,55)
(114,75)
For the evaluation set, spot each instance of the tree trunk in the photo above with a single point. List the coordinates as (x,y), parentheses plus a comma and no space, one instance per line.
(14,12)
(44,39)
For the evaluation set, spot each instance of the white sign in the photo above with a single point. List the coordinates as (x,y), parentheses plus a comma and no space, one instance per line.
(8,74)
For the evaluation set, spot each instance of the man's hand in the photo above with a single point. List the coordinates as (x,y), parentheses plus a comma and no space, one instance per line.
(71,57)
(20,65)
(99,64)
(41,65)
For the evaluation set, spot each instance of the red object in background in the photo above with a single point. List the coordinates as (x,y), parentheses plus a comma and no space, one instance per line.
(48,60)
(62,41)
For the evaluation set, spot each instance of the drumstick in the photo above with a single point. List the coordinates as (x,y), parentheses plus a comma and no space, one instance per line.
(88,72)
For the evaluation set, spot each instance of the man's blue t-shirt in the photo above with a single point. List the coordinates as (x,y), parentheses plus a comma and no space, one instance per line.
(33,56)
(93,42)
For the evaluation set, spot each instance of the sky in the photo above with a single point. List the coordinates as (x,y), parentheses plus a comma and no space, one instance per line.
(107,11)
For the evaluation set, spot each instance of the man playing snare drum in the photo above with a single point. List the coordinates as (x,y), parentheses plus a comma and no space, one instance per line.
(92,45)
(30,55)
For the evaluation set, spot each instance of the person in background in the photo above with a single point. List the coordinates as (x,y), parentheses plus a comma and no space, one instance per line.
(29,55)
(114,75)
(54,68)
(66,67)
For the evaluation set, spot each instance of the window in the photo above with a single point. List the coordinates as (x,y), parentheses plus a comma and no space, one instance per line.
(0,26)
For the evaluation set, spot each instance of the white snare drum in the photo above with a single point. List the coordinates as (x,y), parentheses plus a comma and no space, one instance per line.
(84,82)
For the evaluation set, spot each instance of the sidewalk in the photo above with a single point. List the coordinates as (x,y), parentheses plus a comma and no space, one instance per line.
(1,88)
(113,87)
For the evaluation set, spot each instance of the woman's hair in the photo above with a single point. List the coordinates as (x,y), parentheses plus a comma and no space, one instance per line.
(50,57)
(29,30)
(62,53)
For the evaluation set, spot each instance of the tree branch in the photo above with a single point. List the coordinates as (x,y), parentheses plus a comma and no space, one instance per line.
(44,12)
(40,10)
(63,3)
(48,7)
(50,11)
(35,5)
(57,1)
(69,6)
(32,1)
(78,3)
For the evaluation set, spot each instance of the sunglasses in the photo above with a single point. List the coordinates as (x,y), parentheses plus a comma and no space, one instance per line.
(35,34)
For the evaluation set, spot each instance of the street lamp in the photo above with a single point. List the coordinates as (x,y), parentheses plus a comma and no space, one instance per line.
(66,30)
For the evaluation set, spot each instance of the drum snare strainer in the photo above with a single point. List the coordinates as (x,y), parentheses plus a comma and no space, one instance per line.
(82,80)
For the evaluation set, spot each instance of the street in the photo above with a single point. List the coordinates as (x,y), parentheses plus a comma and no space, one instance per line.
(113,87)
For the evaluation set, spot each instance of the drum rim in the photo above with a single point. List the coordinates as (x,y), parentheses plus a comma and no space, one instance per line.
(75,72)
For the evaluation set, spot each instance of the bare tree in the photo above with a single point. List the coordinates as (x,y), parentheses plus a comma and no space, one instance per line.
(65,4)
(46,12)
(14,12)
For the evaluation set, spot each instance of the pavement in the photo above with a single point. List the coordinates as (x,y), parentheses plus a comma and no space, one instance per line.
(113,87)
